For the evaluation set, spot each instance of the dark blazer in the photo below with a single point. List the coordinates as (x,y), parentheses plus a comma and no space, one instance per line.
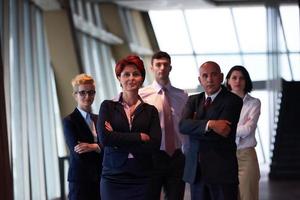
(122,141)
(86,166)
(218,163)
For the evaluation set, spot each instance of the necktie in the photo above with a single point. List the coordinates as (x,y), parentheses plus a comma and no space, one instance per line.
(207,103)
(168,123)
(91,125)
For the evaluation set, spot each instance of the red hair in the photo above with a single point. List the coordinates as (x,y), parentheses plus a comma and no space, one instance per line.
(130,60)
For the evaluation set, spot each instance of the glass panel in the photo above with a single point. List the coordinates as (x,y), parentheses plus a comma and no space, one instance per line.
(48,136)
(225,61)
(34,152)
(184,72)
(211,30)
(281,42)
(107,73)
(251,28)
(290,20)
(129,26)
(257,66)
(263,130)
(19,151)
(284,67)
(84,49)
(295,61)
(170,31)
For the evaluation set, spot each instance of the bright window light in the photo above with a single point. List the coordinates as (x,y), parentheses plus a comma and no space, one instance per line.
(212,30)
(251,28)
(290,20)
(170,31)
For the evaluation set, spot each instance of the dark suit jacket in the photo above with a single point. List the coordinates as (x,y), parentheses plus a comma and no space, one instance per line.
(86,166)
(218,163)
(122,141)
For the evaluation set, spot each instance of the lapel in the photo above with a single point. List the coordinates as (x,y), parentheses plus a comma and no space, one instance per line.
(119,108)
(216,105)
(199,106)
(139,109)
(94,118)
(80,122)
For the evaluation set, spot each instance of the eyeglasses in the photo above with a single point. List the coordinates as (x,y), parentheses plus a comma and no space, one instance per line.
(83,93)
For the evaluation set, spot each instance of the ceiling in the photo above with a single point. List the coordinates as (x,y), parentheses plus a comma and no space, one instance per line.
(163,4)
(185,4)
(146,5)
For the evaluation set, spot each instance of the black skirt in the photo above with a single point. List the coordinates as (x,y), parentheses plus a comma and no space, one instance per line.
(130,182)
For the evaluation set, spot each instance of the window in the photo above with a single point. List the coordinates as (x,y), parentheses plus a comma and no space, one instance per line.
(31,117)
(232,36)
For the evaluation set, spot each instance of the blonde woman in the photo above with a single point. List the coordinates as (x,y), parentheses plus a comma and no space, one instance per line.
(81,137)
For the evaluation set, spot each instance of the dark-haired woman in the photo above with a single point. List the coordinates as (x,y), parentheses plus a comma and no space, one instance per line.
(239,82)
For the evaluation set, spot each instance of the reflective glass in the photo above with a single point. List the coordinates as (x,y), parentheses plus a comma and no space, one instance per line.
(225,61)
(295,61)
(282,47)
(257,66)
(251,28)
(262,136)
(170,31)
(211,30)
(284,67)
(290,21)
(184,72)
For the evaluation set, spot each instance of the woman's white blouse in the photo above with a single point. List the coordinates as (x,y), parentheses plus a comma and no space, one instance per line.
(245,134)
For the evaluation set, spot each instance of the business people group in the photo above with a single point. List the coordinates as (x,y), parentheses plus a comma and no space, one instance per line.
(156,138)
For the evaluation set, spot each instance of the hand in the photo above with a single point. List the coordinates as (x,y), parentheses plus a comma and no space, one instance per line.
(83,147)
(221,127)
(144,137)
(108,126)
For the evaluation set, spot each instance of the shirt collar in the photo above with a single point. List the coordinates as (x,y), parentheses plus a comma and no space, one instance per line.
(246,97)
(213,96)
(119,98)
(158,87)
(82,112)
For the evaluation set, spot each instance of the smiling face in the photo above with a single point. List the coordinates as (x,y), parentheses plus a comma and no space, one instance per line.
(210,77)
(84,96)
(237,82)
(130,78)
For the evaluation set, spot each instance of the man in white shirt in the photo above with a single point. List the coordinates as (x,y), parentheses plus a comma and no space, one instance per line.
(169,101)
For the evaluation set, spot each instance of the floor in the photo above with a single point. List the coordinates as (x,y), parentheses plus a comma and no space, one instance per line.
(278,190)
(272,190)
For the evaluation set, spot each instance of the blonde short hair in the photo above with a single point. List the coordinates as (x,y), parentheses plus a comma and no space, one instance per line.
(81,79)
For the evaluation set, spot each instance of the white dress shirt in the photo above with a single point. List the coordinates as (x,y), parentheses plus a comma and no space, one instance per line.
(245,134)
(92,126)
(152,95)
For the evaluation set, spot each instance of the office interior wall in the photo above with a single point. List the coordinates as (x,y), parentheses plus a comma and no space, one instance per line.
(62,56)
(112,22)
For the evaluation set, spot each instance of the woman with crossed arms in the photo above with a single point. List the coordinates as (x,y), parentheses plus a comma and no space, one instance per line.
(129,131)
(239,82)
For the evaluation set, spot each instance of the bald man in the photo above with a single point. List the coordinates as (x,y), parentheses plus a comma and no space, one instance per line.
(210,120)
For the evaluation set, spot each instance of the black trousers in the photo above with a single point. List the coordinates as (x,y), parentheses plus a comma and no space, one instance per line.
(167,175)
(84,190)
(201,190)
